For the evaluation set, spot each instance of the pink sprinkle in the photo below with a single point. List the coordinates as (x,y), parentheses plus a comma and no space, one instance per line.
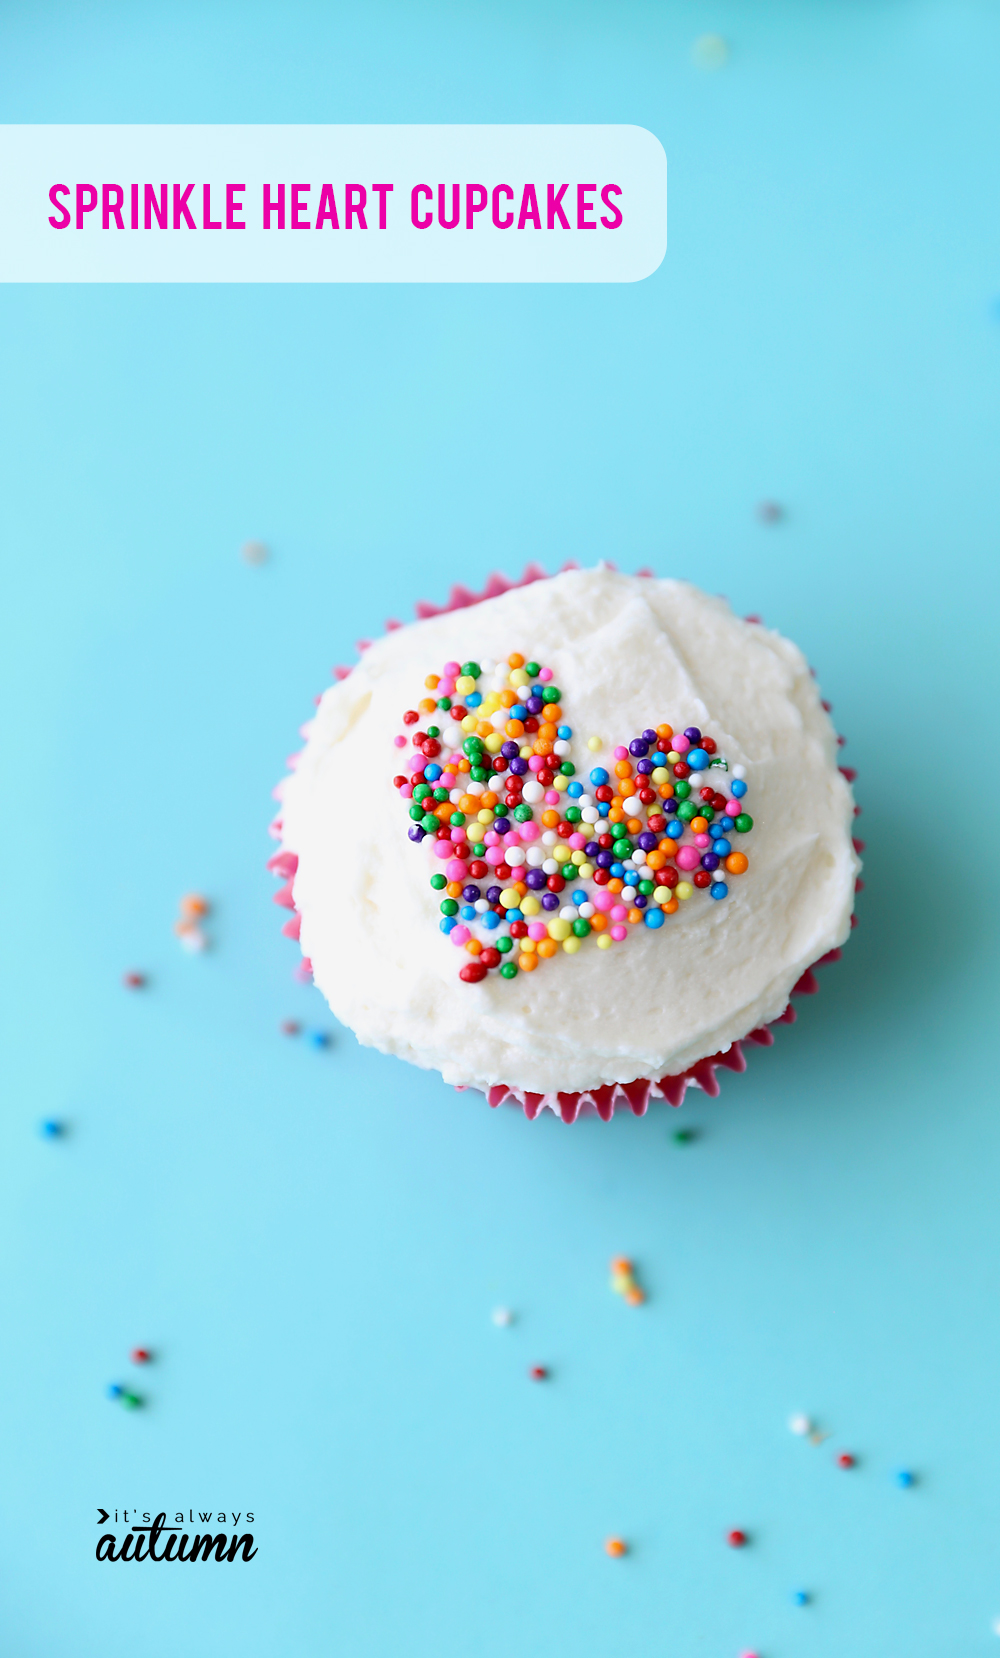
(512,838)
(619,913)
(603,901)
(457,836)
(491,838)
(452,670)
(537,930)
(618,933)
(447,688)
(552,797)
(494,854)
(703,841)
(406,792)
(400,742)
(577,842)
(455,870)
(733,808)
(545,674)
(442,849)
(621,753)
(688,857)
(536,762)
(416,762)
(460,935)
(529,831)
(680,745)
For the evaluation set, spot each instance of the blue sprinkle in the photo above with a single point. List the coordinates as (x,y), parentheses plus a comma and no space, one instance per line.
(598,776)
(725,824)
(490,920)
(675,830)
(721,848)
(718,889)
(473,699)
(658,759)
(579,897)
(514,915)
(905,1479)
(696,758)
(799,1597)
(565,732)
(115,1390)
(50,1130)
(617,871)
(319,1038)
(739,788)
(653,917)
(446,923)
(575,790)
(517,711)
(432,772)
(468,912)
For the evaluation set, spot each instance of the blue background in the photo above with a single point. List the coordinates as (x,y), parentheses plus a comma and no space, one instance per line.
(312,1241)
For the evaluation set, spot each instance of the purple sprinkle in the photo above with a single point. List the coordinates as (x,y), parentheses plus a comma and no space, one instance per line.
(638,747)
(640,900)
(592,848)
(501,825)
(493,894)
(470,894)
(510,751)
(650,735)
(416,833)
(604,860)
(692,733)
(519,767)
(644,767)
(534,705)
(535,879)
(550,901)
(647,840)
(709,861)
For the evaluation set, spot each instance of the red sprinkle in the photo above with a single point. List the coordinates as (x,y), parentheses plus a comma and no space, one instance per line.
(538,1373)
(845,1460)
(290,1027)
(411,717)
(140,1355)
(472,972)
(736,1539)
(133,981)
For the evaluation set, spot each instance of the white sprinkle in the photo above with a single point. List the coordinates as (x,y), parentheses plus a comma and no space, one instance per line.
(254,552)
(502,1316)
(710,52)
(799,1424)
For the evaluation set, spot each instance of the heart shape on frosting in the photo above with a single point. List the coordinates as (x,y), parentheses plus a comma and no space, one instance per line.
(530,860)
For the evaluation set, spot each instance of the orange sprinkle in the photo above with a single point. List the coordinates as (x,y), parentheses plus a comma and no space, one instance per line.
(656,860)
(464,764)
(443,811)
(550,818)
(664,732)
(671,907)
(432,681)
(622,768)
(514,728)
(615,815)
(542,745)
(616,1547)
(598,922)
(665,790)
(737,863)
(484,729)
(615,885)
(489,798)
(193,904)
(634,916)
(517,660)
(468,803)
(527,964)
(520,887)
(427,705)
(507,699)
(699,825)
(634,825)
(548,946)
(454,889)
(473,946)
(553,713)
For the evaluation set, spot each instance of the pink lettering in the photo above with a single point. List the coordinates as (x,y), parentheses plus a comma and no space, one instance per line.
(476,197)
(611,189)
(381,190)
(415,219)
(529,209)
(157,205)
(555,206)
(355,196)
(583,207)
(456,207)
(327,208)
(181,209)
(207,222)
(504,221)
(112,196)
(60,207)
(299,207)
(85,203)
(233,206)
(135,206)
(271,207)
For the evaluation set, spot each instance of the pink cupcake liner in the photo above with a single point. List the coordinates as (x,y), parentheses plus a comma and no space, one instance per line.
(634,1096)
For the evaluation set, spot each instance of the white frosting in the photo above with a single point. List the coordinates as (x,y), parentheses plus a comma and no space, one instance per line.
(627,652)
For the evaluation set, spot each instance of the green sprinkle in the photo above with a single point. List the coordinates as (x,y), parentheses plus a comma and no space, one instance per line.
(646,888)
(471,670)
(439,881)
(622,849)
(433,731)
(478,851)
(522,814)
(479,774)
(430,822)
(508,970)
(581,927)
(532,668)
(687,810)
(421,791)
(573,814)
(744,823)
(449,906)
(684,1136)
(472,746)
(440,795)
(457,820)
(444,704)
(551,693)
(723,765)
(504,945)
(567,768)
(682,790)
(416,813)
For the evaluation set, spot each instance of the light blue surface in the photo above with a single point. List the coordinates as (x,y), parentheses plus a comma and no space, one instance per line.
(312,1242)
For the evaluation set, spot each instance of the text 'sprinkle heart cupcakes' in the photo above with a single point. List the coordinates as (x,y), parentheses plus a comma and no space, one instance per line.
(602,838)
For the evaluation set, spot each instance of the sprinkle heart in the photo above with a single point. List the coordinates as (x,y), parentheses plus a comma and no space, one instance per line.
(531,861)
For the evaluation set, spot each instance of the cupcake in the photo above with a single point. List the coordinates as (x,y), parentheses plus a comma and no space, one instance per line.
(571,843)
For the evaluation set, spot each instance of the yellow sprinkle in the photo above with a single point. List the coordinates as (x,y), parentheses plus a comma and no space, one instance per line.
(528,946)
(508,899)
(578,857)
(527,752)
(529,905)
(560,783)
(604,942)
(469,723)
(572,945)
(493,744)
(586,871)
(661,775)
(486,816)
(593,743)
(661,895)
(558,929)
(561,854)
(517,678)
(683,889)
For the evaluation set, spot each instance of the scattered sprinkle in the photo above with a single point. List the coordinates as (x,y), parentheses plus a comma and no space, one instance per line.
(623,1281)
(527,860)
(290,1027)
(254,552)
(684,1136)
(846,1460)
(115,1390)
(710,52)
(320,1038)
(904,1479)
(737,1539)
(501,1317)
(770,512)
(192,910)
(616,1547)
(800,1597)
(594,743)
(50,1129)
(800,1425)
(131,1401)
(538,1373)
(133,980)
(140,1355)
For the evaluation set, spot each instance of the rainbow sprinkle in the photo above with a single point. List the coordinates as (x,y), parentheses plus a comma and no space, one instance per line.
(536,862)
